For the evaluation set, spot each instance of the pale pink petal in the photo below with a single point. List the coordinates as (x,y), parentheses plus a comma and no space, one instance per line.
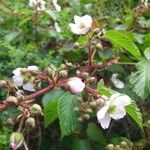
(29,87)
(18,80)
(102,112)
(77,20)
(32,68)
(74,28)
(105,121)
(17,72)
(87,21)
(120,113)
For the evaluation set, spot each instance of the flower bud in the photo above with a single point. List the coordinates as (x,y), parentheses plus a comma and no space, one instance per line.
(63,73)
(10,121)
(89,110)
(76,109)
(16,140)
(80,119)
(36,109)
(100,102)
(3,83)
(110,147)
(30,122)
(124,144)
(12,100)
(86,117)
(91,79)
(85,74)
(76,85)
(93,104)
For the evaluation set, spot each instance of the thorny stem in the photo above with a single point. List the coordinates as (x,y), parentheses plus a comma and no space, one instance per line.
(21,123)
(89,53)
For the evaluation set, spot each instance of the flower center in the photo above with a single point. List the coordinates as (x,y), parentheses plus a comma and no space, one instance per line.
(112,109)
(82,25)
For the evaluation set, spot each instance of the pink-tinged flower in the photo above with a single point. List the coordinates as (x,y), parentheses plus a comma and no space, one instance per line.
(19,77)
(39,5)
(82,24)
(76,85)
(114,108)
(117,83)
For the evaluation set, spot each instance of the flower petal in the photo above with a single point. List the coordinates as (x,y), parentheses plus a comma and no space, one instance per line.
(120,113)
(120,100)
(102,112)
(18,80)
(77,20)
(29,87)
(105,121)
(32,68)
(87,21)
(17,72)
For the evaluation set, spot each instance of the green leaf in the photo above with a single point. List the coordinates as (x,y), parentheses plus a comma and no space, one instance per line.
(95,134)
(50,103)
(9,37)
(67,115)
(101,88)
(82,41)
(120,39)
(147,53)
(118,140)
(81,144)
(52,95)
(141,79)
(50,112)
(135,113)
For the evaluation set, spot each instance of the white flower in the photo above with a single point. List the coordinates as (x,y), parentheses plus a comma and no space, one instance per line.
(57,27)
(18,78)
(82,24)
(57,7)
(114,108)
(76,85)
(117,83)
(39,5)
(34,68)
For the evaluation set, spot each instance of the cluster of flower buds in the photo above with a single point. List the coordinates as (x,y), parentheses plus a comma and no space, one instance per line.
(122,146)
(88,108)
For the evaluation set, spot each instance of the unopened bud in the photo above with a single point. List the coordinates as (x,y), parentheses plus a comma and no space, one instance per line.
(93,104)
(89,110)
(16,140)
(124,144)
(99,46)
(76,45)
(110,147)
(62,66)
(86,117)
(30,122)
(100,102)
(148,122)
(117,147)
(78,72)
(80,119)
(12,100)
(3,83)
(69,64)
(85,74)
(36,109)
(91,79)
(76,109)
(10,121)
(63,73)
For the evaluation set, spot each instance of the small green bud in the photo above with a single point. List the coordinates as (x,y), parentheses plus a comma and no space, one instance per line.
(100,101)
(80,119)
(124,144)
(91,79)
(89,110)
(3,83)
(93,104)
(86,117)
(10,121)
(63,73)
(16,140)
(110,147)
(30,122)
(36,109)
(85,74)
(12,100)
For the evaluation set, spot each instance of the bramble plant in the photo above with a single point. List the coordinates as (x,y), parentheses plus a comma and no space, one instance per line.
(88,87)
